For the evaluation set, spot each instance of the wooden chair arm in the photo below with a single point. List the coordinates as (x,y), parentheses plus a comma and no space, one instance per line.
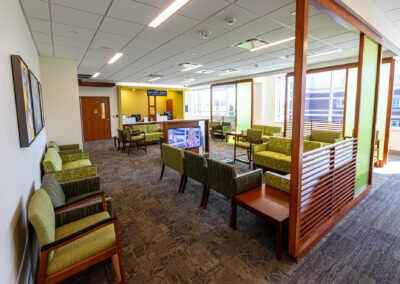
(83,200)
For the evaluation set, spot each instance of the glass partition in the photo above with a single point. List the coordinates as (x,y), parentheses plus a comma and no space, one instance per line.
(244,101)
(350,101)
(223,103)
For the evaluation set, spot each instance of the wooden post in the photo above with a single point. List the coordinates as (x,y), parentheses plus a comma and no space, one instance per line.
(286,105)
(359,81)
(389,112)
(300,64)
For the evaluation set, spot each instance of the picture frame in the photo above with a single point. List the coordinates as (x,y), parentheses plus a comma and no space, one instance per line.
(23,101)
(36,102)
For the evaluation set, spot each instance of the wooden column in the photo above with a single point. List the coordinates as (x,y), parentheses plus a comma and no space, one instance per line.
(300,64)
(389,112)
(286,105)
(359,81)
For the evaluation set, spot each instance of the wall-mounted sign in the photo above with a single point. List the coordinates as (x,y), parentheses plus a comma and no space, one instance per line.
(156,93)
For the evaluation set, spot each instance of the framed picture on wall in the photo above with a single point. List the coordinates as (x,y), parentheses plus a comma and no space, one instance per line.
(41,104)
(36,103)
(23,101)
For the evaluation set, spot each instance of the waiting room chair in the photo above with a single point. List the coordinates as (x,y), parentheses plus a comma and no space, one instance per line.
(68,249)
(173,157)
(253,136)
(65,149)
(136,140)
(221,130)
(195,167)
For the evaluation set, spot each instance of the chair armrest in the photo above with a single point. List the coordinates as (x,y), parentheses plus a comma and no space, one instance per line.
(260,147)
(338,140)
(307,137)
(74,174)
(226,129)
(83,200)
(74,157)
(277,134)
(80,186)
(255,140)
(248,180)
(70,238)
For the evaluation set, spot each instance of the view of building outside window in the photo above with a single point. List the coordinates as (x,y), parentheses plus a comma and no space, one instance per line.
(224,103)
(198,101)
(395,122)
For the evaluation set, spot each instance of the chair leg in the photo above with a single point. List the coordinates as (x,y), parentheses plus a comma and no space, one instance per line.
(121,266)
(181,183)
(184,184)
(232,222)
(117,268)
(162,171)
(206,198)
(129,147)
(203,196)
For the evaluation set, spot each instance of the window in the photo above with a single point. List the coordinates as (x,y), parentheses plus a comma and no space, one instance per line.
(280,98)
(198,102)
(224,103)
(395,122)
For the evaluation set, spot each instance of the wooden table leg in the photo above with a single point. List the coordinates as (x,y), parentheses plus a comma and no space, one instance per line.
(232,222)
(278,241)
(234,151)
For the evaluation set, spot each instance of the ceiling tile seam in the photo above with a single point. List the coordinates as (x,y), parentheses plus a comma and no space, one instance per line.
(76,9)
(29,26)
(51,27)
(95,33)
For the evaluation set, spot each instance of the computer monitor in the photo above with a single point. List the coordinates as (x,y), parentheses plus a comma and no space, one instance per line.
(138,117)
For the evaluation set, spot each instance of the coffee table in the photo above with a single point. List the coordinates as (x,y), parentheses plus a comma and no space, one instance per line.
(271,204)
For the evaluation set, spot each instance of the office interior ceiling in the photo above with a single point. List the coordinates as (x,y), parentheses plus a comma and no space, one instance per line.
(92,31)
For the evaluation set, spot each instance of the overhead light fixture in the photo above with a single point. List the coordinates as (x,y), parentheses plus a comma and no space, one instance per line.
(273,43)
(97,74)
(204,71)
(155,79)
(115,57)
(229,72)
(325,53)
(293,13)
(137,84)
(190,80)
(171,9)
(192,68)
(230,21)
(205,34)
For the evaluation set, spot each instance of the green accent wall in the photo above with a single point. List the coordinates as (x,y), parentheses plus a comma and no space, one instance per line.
(351,101)
(382,106)
(368,83)
(243,106)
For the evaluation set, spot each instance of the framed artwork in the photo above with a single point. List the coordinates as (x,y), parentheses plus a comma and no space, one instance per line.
(36,103)
(23,101)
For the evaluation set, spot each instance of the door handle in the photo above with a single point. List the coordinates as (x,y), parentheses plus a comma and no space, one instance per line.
(108,119)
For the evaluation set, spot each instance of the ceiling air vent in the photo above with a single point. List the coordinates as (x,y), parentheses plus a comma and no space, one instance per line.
(84,76)
(154,76)
(251,43)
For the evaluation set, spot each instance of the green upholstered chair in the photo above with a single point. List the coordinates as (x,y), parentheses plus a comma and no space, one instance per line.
(68,166)
(65,149)
(269,131)
(211,124)
(136,140)
(221,130)
(253,136)
(64,194)
(122,138)
(152,132)
(327,137)
(223,178)
(73,247)
(173,158)
(281,182)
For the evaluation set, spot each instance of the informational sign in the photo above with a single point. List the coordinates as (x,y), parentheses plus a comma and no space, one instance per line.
(156,93)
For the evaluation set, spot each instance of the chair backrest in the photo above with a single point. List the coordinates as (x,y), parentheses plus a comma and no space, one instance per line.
(54,190)
(140,128)
(258,127)
(269,130)
(128,132)
(254,135)
(172,157)
(41,216)
(52,161)
(225,124)
(280,145)
(220,176)
(195,166)
(311,145)
(325,136)
(213,123)
(121,135)
(152,128)
(54,145)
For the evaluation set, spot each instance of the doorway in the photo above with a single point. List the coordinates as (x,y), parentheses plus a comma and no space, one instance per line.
(96,123)
(170,106)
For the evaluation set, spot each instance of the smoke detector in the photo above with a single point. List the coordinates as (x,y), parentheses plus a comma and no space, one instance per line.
(204,34)
(230,21)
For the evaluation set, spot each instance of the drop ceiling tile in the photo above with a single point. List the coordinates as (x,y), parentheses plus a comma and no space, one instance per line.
(120,27)
(229,39)
(202,9)
(178,24)
(36,9)
(161,4)
(133,11)
(73,31)
(341,38)
(157,35)
(74,17)
(241,15)
(183,43)
(142,44)
(215,31)
(285,15)
(42,38)
(45,49)
(276,35)
(92,6)
(320,21)
(70,42)
(68,52)
(37,25)
(111,39)
(393,15)
(263,7)
(258,27)
(328,31)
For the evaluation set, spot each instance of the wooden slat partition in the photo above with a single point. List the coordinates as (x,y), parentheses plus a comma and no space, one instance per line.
(315,125)
(328,183)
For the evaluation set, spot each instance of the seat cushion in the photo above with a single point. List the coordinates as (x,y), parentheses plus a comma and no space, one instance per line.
(76,164)
(148,137)
(325,136)
(242,144)
(54,190)
(273,160)
(137,137)
(153,128)
(280,145)
(84,247)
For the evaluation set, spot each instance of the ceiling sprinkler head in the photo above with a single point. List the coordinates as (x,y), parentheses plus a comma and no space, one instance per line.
(204,34)
(230,21)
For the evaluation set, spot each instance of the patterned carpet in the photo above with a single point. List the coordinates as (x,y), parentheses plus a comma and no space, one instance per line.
(168,239)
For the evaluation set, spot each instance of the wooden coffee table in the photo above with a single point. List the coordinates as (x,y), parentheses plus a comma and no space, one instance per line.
(270,204)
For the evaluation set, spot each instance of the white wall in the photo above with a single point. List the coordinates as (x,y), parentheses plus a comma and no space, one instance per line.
(105,92)
(19,167)
(394,139)
(61,100)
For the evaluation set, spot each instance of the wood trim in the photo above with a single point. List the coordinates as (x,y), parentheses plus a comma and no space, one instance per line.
(286,105)
(345,101)
(378,73)
(95,84)
(329,68)
(343,17)
(389,109)
(359,81)
(299,92)
(232,83)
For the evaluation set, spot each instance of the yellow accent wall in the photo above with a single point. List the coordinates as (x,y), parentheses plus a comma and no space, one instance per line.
(135,102)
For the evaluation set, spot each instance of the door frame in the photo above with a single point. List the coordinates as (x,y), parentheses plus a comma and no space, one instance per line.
(80,110)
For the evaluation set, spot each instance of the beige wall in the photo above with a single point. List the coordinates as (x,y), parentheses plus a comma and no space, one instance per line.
(61,100)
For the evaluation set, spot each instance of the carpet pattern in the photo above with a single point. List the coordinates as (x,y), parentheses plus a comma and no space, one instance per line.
(167,238)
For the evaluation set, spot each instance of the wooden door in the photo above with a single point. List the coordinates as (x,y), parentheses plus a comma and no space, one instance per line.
(170,106)
(95,118)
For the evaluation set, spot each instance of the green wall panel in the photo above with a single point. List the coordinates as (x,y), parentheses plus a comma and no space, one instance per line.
(243,106)
(351,101)
(366,113)
(382,106)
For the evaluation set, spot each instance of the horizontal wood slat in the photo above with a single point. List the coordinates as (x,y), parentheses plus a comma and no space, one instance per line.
(314,125)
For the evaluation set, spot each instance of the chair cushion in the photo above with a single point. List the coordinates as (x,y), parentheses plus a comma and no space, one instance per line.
(269,130)
(280,145)
(54,190)
(153,128)
(311,145)
(325,136)
(242,144)
(52,161)
(278,181)
(137,137)
(273,160)
(41,216)
(157,136)
(76,164)
(141,128)
(149,137)
(84,247)
(54,145)
(172,157)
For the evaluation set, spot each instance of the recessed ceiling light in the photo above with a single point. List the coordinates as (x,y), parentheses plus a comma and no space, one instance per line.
(190,80)
(190,66)
(325,53)
(229,72)
(230,21)
(155,79)
(204,71)
(115,57)
(97,74)
(273,43)
(171,9)
(204,34)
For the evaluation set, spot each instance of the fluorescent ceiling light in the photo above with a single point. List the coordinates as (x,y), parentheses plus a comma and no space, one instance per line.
(230,72)
(115,57)
(97,74)
(168,13)
(136,84)
(192,68)
(325,53)
(273,43)
(190,80)
(155,79)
